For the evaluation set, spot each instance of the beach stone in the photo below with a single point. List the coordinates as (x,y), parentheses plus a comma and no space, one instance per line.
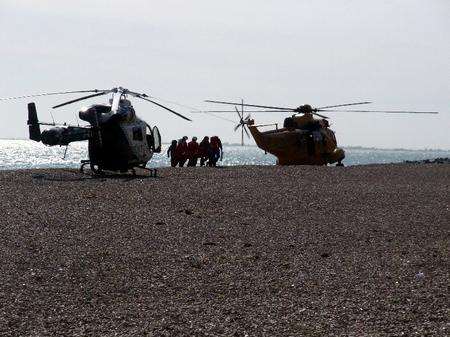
(278,251)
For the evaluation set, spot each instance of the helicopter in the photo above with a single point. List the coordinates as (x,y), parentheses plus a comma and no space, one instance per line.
(118,140)
(303,139)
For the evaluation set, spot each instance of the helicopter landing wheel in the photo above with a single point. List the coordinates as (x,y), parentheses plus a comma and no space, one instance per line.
(96,169)
(83,164)
(339,164)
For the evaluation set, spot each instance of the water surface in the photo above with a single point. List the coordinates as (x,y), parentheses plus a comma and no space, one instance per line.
(24,154)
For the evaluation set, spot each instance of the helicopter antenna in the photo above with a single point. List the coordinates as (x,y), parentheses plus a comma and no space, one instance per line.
(53,119)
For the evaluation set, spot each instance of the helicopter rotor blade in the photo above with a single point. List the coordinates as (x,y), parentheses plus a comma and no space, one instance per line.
(222,118)
(237,111)
(252,105)
(237,127)
(231,111)
(322,116)
(164,107)
(339,105)
(52,93)
(388,111)
(80,99)
(246,132)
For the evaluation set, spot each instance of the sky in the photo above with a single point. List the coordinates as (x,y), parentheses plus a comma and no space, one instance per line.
(285,53)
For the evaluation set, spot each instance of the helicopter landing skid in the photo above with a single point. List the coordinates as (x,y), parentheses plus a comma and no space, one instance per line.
(152,171)
(98,171)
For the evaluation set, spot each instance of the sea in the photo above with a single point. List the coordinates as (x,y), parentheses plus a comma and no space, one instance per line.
(27,154)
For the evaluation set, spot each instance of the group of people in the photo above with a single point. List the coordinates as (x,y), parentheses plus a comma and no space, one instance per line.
(209,151)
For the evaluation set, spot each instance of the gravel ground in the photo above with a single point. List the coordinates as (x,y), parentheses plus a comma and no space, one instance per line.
(238,251)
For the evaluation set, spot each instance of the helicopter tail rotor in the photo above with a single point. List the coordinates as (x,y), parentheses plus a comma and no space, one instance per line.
(33,123)
(242,122)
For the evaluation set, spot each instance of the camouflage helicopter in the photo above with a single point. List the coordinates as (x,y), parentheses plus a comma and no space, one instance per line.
(117,139)
(303,139)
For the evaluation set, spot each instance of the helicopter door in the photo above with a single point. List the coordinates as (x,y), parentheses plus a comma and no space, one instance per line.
(156,140)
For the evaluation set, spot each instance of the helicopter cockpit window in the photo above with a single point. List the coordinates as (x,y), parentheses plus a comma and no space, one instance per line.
(156,140)
(137,133)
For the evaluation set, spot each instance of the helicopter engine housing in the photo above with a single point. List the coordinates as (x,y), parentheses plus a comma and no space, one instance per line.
(95,113)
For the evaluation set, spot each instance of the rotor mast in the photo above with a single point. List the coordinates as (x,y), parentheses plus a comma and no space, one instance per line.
(117,96)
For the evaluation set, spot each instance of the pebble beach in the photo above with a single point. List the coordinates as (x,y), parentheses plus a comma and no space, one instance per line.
(232,251)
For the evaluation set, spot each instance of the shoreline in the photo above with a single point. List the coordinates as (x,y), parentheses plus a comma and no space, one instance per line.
(438,161)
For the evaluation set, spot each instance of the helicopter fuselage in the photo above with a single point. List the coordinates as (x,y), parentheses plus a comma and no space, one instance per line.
(302,141)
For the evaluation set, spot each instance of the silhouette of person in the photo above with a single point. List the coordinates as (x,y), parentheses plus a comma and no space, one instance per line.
(204,149)
(216,151)
(182,151)
(171,153)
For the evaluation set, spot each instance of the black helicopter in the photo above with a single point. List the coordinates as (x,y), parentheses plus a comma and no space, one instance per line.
(117,139)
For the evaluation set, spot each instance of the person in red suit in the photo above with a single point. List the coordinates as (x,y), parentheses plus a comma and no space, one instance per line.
(193,152)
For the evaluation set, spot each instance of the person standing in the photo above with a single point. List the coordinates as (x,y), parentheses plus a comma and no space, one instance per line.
(216,151)
(193,149)
(204,149)
(181,151)
(171,153)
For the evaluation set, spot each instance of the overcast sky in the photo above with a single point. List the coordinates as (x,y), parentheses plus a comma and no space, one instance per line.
(285,53)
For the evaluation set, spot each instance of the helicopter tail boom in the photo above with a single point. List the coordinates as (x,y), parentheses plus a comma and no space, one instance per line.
(33,123)
(58,135)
